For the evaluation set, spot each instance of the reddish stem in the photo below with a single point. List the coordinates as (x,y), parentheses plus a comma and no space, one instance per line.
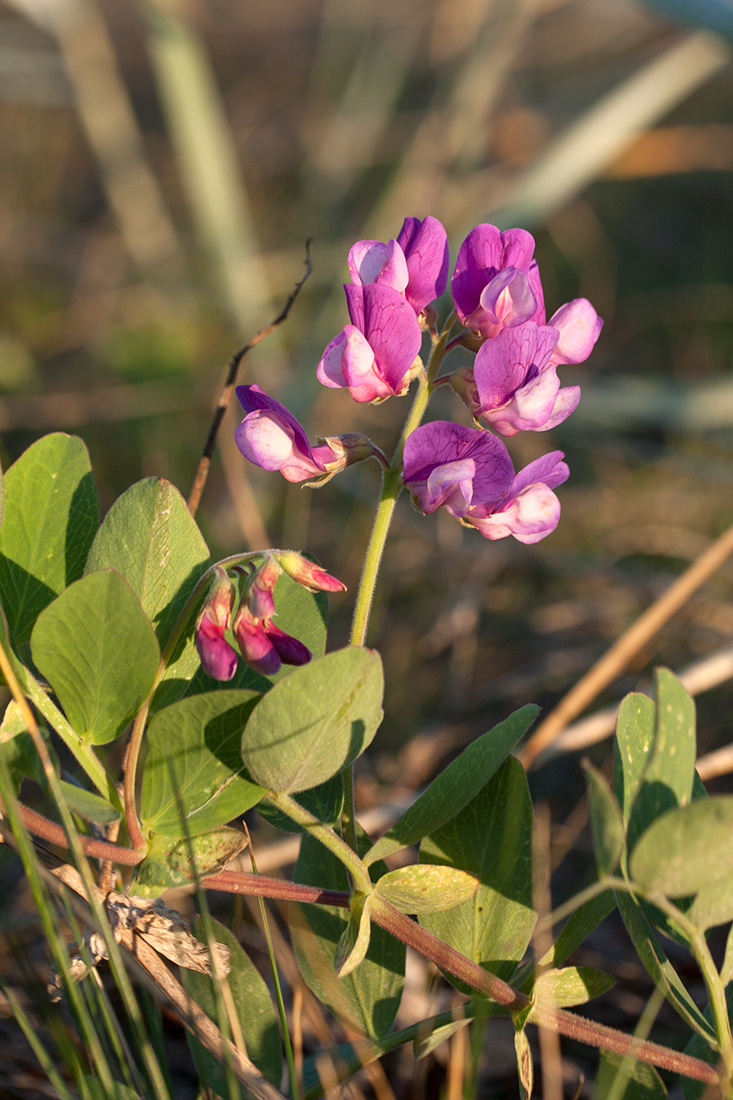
(430,947)
(97,849)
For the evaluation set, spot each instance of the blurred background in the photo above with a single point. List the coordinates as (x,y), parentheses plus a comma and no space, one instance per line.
(163,162)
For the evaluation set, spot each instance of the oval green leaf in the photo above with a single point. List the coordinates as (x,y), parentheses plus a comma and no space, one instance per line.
(180,862)
(687,849)
(150,538)
(194,778)
(315,721)
(573,985)
(98,651)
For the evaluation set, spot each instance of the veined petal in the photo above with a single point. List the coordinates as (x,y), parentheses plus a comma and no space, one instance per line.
(425,245)
(394,335)
(549,469)
(359,367)
(530,407)
(329,370)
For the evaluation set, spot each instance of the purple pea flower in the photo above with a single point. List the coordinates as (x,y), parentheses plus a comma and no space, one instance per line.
(468,472)
(448,465)
(514,385)
(271,437)
(496,283)
(375,356)
(579,326)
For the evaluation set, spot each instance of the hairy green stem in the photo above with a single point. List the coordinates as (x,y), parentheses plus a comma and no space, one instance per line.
(356,868)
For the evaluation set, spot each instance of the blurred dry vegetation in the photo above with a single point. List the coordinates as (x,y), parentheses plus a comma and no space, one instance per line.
(161,164)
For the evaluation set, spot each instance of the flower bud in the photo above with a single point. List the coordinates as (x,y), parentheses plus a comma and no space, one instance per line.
(307,573)
(256,648)
(218,659)
(348,448)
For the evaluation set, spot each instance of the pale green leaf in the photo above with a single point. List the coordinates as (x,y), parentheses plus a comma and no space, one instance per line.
(172,862)
(354,942)
(425,888)
(573,985)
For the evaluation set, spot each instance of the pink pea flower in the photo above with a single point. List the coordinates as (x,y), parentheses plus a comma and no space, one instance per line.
(496,283)
(514,385)
(260,589)
(271,437)
(528,509)
(218,659)
(375,356)
(468,472)
(425,245)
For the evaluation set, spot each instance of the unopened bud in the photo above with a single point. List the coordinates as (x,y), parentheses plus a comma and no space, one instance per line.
(464,384)
(218,659)
(262,583)
(307,573)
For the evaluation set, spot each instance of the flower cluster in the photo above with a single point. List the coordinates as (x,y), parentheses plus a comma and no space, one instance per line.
(263,646)
(511,386)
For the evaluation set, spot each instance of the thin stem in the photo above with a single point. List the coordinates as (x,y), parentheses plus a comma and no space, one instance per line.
(391,489)
(96,849)
(225,396)
(445,956)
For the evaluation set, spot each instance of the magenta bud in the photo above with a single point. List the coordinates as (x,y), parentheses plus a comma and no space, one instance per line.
(260,589)
(255,646)
(218,659)
(307,573)
(290,650)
